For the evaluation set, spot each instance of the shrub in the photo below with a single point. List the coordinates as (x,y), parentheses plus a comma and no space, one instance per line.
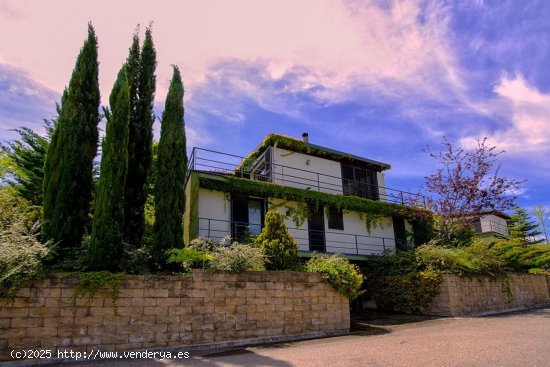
(278,246)
(205,245)
(346,278)
(398,282)
(237,258)
(22,253)
(521,257)
(406,292)
(188,258)
(477,259)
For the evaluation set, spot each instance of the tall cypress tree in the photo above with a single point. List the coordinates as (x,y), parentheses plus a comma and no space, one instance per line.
(69,160)
(105,248)
(141,74)
(171,166)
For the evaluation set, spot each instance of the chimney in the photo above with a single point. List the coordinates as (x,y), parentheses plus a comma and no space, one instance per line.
(305,137)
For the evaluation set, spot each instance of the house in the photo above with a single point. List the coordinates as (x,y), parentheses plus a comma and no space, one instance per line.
(333,202)
(490,222)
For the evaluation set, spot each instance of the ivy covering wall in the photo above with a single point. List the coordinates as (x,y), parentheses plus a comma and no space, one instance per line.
(295,145)
(373,211)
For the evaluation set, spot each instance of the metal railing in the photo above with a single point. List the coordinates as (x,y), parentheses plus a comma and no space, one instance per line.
(334,242)
(230,164)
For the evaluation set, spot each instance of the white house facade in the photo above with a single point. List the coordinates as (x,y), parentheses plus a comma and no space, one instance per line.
(333,202)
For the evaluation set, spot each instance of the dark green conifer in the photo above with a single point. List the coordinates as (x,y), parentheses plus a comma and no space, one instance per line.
(28,154)
(141,75)
(522,228)
(69,160)
(171,166)
(106,249)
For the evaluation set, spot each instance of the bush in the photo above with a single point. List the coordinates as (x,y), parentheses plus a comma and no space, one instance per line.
(477,259)
(398,282)
(205,245)
(278,246)
(188,258)
(346,278)
(237,258)
(22,253)
(406,292)
(521,257)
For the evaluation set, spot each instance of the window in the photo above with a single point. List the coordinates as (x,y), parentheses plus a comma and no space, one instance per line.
(360,182)
(335,218)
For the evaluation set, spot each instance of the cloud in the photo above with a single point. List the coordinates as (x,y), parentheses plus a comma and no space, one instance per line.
(528,113)
(334,44)
(23,102)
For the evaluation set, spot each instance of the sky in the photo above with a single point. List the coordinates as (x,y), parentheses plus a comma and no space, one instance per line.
(375,78)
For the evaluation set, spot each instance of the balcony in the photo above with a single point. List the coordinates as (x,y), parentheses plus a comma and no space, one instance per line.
(263,169)
(308,240)
(489,226)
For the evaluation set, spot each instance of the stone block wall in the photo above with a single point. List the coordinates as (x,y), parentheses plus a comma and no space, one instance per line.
(154,312)
(481,295)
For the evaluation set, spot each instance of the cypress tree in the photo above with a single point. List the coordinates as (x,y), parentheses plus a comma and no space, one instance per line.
(141,74)
(69,160)
(171,166)
(105,248)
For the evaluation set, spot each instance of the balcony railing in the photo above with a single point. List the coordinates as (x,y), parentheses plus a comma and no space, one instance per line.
(335,242)
(486,226)
(264,170)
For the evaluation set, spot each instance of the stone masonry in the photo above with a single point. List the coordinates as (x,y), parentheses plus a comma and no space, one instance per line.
(153,312)
(481,295)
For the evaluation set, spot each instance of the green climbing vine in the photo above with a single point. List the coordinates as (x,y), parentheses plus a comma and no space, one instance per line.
(91,283)
(373,211)
(294,145)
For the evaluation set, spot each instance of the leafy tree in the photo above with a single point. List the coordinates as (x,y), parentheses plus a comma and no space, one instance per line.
(522,228)
(27,156)
(467,182)
(141,74)
(69,159)
(106,240)
(171,166)
(280,249)
(542,214)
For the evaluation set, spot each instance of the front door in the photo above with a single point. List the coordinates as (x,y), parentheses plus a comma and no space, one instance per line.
(316,229)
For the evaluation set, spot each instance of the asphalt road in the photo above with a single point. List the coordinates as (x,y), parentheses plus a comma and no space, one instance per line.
(517,339)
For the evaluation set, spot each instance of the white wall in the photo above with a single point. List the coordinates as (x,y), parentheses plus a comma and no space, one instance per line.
(330,172)
(213,205)
(492,223)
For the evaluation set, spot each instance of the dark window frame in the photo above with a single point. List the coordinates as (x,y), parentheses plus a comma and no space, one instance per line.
(335,218)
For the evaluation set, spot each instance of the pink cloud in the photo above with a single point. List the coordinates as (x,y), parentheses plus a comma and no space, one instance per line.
(341,44)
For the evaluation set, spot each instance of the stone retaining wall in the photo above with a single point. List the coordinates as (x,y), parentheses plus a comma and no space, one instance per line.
(480,295)
(171,311)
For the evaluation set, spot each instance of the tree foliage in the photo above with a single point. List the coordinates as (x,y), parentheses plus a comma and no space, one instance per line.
(171,166)
(141,67)
(542,214)
(27,155)
(522,228)
(69,159)
(466,183)
(106,240)
(280,249)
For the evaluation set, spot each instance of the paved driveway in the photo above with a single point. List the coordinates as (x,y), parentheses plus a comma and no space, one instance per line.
(518,339)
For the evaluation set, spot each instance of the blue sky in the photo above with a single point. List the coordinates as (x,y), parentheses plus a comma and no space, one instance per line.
(380,79)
